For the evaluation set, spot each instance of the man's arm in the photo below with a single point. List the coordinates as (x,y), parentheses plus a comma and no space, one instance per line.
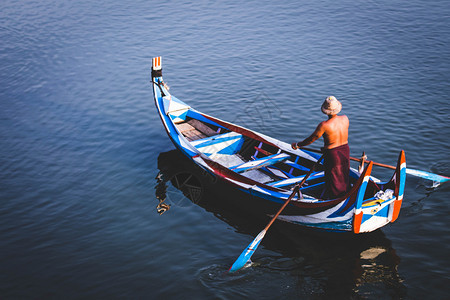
(309,140)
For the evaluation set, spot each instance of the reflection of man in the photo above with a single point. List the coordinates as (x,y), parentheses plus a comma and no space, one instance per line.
(336,150)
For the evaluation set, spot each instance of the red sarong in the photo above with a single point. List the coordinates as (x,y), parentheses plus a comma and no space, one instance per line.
(337,168)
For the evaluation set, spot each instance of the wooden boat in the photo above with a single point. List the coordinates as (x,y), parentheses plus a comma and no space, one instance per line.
(267,169)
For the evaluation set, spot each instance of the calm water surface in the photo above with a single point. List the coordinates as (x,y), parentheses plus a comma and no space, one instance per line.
(81,145)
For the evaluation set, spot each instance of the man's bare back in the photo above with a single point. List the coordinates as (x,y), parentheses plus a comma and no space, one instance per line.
(334,131)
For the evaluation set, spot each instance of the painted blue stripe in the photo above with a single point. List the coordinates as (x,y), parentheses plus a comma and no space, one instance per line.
(313,154)
(365,217)
(292,168)
(289,181)
(192,113)
(262,162)
(181,116)
(340,212)
(311,187)
(217,139)
(402,181)
(258,159)
(384,212)
(360,195)
(297,166)
(233,148)
(381,213)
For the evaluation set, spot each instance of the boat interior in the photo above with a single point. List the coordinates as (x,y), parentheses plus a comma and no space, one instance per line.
(252,158)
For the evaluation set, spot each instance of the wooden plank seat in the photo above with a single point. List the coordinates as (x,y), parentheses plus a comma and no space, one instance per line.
(260,162)
(195,130)
(295,180)
(189,132)
(201,127)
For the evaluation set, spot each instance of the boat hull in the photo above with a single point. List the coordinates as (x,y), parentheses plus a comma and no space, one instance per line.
(213,143)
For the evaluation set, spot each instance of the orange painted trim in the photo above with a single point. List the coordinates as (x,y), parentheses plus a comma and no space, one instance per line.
(357,222)
(157,62)
(396,212)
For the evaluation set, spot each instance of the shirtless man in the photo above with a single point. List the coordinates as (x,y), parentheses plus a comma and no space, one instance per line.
(336,150)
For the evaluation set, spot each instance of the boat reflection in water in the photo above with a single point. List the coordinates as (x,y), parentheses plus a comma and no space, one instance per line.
(319,264)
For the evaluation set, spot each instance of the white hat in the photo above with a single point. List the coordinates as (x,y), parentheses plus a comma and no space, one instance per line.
(331,106)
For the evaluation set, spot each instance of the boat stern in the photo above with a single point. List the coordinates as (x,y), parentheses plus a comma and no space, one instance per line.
(373,212)
(360,216)
(399,179)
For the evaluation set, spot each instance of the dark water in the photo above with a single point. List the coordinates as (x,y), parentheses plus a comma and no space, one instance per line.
(80,141)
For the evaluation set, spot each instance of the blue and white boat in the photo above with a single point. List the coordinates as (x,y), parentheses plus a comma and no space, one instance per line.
(267,169)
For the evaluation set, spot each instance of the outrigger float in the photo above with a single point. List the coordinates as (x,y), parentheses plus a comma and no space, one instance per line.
(268,169)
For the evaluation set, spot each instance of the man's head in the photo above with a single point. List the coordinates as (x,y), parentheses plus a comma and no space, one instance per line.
(331,106)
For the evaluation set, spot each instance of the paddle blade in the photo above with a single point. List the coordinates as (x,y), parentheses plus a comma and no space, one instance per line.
(427,175)
(247,254)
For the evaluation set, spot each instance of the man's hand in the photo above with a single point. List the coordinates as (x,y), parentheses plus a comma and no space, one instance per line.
(294,146)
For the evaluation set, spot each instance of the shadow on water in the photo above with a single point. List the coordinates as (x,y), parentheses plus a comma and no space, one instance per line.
(294,261)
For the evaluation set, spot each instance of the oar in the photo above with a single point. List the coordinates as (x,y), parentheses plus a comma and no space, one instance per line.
(251,248)
(418,173)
